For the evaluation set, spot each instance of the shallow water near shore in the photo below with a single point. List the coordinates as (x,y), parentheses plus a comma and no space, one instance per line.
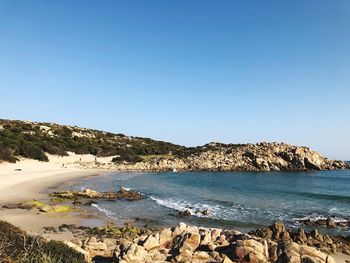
(237,200)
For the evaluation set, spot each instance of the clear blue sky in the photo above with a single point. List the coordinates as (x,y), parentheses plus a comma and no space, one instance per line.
(188,72)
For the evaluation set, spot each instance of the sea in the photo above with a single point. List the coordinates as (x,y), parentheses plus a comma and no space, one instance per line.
(242,201)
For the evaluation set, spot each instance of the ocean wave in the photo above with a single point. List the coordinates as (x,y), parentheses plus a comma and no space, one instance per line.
(314,217)
(220,212)
(107,212)
(194,208)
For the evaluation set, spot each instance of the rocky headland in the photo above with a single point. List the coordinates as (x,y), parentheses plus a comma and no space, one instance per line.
(247,157)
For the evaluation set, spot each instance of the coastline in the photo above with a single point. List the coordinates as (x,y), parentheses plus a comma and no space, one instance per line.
(29,180)
(35,179)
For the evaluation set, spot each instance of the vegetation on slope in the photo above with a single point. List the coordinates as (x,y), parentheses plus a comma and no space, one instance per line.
(18,246)
(34,140)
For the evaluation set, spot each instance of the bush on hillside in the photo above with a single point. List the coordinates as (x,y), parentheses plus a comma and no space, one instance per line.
(7,154)
(126,156)
(52,149)
(29,149)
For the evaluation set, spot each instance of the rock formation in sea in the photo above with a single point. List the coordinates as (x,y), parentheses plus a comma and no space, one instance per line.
(88,193)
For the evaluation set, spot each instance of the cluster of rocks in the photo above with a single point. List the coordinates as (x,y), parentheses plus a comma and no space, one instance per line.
(183,243)
(245,157)
(193,244)
(329,222)
(325,243)
(187,212)
(92,247)
(92,194)
(97,242)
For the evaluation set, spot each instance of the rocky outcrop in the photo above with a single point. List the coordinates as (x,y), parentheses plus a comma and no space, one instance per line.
(325,243)
(97,242)
(40,206)
(194,244)
(246,157)
(183,243)
(92,194)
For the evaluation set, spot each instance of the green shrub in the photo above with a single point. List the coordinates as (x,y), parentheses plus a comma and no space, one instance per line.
(18,246)
(52,149)
(28,149)
(130,158)
(7,154)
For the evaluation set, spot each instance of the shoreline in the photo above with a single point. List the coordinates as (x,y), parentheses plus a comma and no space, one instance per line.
(35,180)
(29,180)
(30,177)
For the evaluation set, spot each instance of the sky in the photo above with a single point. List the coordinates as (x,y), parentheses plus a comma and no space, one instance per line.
(188,72)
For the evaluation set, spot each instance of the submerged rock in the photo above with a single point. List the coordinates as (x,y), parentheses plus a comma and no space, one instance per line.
(185,213)
(41,206)
(329,222)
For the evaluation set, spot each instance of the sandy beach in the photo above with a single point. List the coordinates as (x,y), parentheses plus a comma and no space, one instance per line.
(30,179)
(26,178)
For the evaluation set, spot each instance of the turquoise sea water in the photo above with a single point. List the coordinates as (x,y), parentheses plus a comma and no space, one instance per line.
(237,200)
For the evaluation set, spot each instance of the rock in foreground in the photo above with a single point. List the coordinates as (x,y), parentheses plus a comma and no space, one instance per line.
(183,243)
(328,244)
(195,244)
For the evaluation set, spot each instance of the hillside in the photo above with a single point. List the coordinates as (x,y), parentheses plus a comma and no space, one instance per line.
(34,140)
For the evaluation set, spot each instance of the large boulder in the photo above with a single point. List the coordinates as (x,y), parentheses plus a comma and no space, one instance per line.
(275,232)
(253,250)
(151,242)
(292,252)
(78,248)
(165,238)
(135,254)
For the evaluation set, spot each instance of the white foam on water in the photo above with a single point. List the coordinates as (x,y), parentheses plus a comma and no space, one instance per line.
(234,212)
(107,212)
(315,217)
(194,208)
